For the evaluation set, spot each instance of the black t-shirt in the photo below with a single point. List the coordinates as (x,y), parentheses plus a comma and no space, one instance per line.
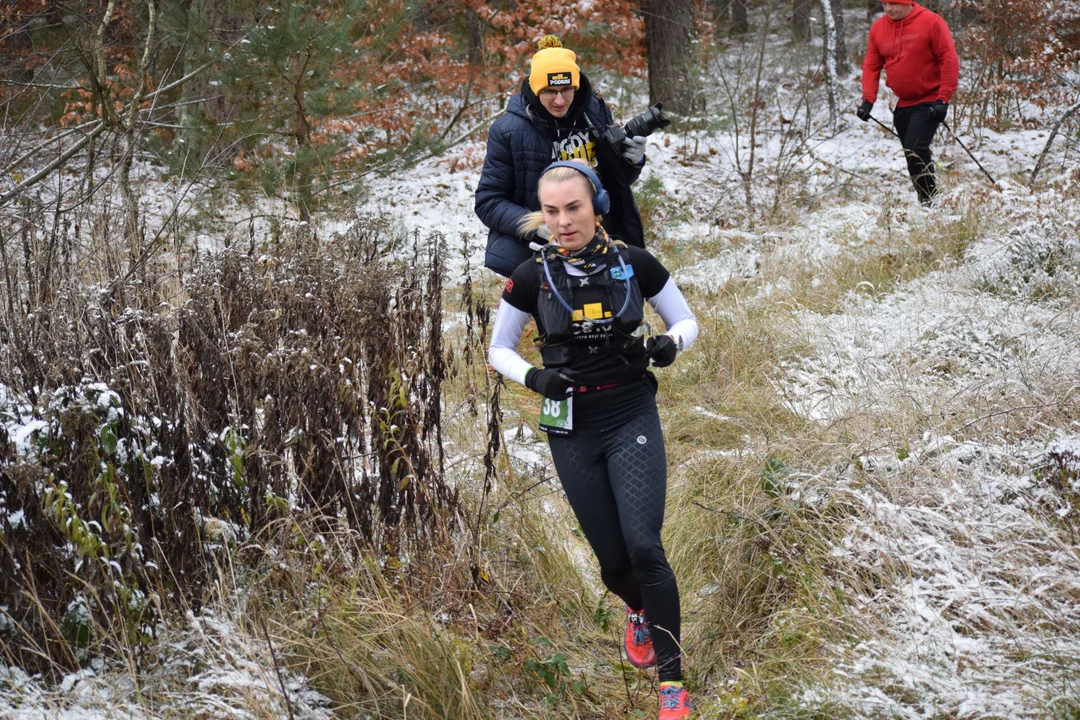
(629,387)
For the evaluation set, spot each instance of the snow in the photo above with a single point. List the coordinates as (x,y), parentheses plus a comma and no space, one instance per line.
(238,681)
(712,274)
(982,614)
(977,613)
(22,434)
(437,195)
(953,335)
(979,610)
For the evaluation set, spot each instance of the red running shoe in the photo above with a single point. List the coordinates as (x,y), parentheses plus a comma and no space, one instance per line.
(674,702)
(639,647)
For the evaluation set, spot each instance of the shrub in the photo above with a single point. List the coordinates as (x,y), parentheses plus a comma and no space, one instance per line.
(151,419)
(1020,50)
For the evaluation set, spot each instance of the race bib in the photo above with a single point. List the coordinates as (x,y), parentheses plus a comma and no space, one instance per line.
(557,416)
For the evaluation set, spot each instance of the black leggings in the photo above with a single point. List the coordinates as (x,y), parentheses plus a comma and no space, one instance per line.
(916,131)
(616,482)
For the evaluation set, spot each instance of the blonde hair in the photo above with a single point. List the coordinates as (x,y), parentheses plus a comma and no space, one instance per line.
(535,220)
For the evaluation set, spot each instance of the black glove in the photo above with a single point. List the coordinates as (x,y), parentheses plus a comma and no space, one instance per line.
(939,110)
(864,110)
(661,349)
(552,384)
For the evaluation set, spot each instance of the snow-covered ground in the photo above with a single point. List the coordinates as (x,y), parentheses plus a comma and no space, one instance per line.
(207,667)
(985,620)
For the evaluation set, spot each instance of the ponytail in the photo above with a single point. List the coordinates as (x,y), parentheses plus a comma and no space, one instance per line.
(531,222)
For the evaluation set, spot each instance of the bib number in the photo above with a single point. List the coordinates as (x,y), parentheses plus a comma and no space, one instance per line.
(557,416)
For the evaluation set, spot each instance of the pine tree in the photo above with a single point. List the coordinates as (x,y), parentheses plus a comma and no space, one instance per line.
(295,80)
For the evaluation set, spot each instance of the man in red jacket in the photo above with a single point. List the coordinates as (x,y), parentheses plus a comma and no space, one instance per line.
(916,49)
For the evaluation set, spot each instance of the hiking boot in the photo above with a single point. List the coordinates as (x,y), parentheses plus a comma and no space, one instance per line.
(639,647)
(674,702)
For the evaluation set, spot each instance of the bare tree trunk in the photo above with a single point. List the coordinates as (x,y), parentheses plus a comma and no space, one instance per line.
(669,29)
(843,65)
(119,120)
(95,65)
(830,60)
(202,14)
(800,21)
(970,13)
(475,56)
(740,20)
(756,104)
(873,7)
(476,40)
(100,68)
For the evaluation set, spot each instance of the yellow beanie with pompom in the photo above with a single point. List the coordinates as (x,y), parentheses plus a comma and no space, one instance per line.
(553,66)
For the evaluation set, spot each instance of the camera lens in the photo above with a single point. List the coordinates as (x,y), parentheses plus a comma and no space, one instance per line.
(647,122)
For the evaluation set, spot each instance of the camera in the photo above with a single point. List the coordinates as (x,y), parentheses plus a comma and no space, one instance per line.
(644,124)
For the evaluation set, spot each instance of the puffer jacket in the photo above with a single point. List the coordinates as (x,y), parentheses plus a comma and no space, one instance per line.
(521,143)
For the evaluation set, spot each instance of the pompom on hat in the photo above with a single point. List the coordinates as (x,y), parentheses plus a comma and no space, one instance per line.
(553,66)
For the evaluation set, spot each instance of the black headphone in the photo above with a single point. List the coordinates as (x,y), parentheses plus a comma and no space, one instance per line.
(601,201)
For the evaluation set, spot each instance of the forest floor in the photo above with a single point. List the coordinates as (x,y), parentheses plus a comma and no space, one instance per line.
(874,447)
(929,356)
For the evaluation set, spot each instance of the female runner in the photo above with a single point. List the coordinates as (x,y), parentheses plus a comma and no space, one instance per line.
(586,294)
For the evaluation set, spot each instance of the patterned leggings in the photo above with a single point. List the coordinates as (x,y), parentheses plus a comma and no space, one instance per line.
(616,482)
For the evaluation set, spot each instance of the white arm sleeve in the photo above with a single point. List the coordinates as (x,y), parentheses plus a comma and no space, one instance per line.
(505,335)
(676,314)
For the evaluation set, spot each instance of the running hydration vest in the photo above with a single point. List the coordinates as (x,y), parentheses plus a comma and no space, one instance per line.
(596,327)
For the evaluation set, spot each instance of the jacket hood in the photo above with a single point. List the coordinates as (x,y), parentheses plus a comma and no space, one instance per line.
(917,9)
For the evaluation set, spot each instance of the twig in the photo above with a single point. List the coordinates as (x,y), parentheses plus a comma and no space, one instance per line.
(1049,140)
(31,153)
(277,670)
(1040,406)
(432,153)
(42,86)
(98,128)
(41,174)
(626,682)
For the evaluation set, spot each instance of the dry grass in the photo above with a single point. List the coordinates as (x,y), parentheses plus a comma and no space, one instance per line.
(500,615)
(757,507)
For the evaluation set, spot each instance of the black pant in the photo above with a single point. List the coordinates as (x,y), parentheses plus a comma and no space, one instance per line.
(616,482)
(916,131)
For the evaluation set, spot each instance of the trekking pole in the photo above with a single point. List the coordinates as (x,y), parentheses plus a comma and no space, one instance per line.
(884,125)
(956,137)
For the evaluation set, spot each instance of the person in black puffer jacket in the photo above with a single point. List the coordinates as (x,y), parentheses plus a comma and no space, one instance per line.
(555,116)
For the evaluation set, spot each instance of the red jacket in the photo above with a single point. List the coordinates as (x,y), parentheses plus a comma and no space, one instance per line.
(918,56)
